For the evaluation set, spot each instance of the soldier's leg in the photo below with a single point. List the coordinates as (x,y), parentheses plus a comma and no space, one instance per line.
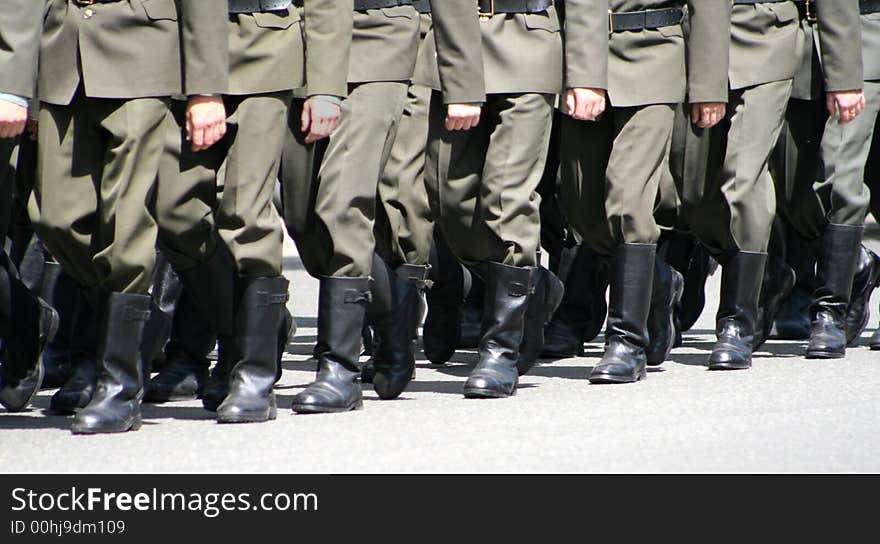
(26,323)
(845,270)
(344,215)
(741,197)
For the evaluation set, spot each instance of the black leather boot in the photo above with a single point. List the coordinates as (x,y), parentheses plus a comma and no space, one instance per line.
(27,324)
(166,290)
(472,314)
(116,405)
(259,315)
(507,293)
(668,285)
(217,386)
(792,321)
(866,278)
(582,312)
(77,391)
(342,305)
(60,292)
(185,372)
(393,313)
(834,272)
(684,253)
(874,343)
(451,283)
(779,280)
(286,332)
(737,318)
(626,336)
(543,303)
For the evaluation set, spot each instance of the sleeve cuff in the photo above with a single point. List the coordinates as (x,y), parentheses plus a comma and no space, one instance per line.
(15,99)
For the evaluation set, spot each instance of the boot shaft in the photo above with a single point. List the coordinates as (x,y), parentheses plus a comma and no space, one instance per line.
(741,278)
(505,302)
(631,286)
(841,246)
(120,365)
(342,304)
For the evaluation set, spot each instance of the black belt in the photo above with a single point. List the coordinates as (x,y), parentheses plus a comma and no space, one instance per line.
(364,5)
(869,6)
(488,8)
(648,19)
(750,2)
(260,6)
(422,6)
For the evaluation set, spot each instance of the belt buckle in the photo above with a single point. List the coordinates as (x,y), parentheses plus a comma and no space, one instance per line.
(610,23)
(84,2)
(811,15)
(486,15)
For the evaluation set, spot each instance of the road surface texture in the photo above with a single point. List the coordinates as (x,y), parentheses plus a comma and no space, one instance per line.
(786,414)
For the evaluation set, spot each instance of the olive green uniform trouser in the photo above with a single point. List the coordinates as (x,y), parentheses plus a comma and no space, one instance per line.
(97,165)
(666,211)
(822,165)
(611,171)
(482,182)
(245,163)
(404,227)
(729,200)
(330,197)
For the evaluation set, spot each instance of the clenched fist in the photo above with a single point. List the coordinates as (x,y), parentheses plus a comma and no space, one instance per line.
(849,104)
(320,117)
(707,114)
(13,119)
(205,121)
(462,116)
(585,104)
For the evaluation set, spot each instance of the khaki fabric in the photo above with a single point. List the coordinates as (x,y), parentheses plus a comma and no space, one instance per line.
(97,166)
(20,26)
(482,182)
(607,195)
(138,48)
(731,204)
(245,163)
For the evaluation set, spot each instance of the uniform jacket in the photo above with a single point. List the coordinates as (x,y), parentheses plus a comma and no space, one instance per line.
(20,22)
(384,45)
(133,48)
(765,43)
(831,51)
(267,51)
(651,66)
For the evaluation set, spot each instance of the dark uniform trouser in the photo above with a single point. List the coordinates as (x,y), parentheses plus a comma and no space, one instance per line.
(97,165)
(331,216)
(731,205)
(8,163)
(825,165)
(482,182)
(246,164)
(666,210)
(611,171)
(404,227)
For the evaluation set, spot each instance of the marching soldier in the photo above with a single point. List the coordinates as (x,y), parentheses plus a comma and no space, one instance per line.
(100,142)
(729,201)
(26,322)
(334,232)
(823,194)
(482,187)
(244,300)
(611,167)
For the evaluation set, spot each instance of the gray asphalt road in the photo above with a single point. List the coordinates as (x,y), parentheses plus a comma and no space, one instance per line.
(786,414)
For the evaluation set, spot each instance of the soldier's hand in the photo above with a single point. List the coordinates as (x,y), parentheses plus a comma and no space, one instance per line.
(320,117)
(462,116)
(585,104)
(13,119)
(849,104)
(205,121)
(707,114)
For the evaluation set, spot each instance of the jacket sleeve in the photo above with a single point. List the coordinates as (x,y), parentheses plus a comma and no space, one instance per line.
(585,30)
(840,40)
(459,51)
(20,30)
(328,29)
(205,46)
(708,50)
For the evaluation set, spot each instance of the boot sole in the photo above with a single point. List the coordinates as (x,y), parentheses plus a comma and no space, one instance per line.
(727,366)
(824,355)
(486,394)
(312,409)
(249,418)
(135,425)
(608,379)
